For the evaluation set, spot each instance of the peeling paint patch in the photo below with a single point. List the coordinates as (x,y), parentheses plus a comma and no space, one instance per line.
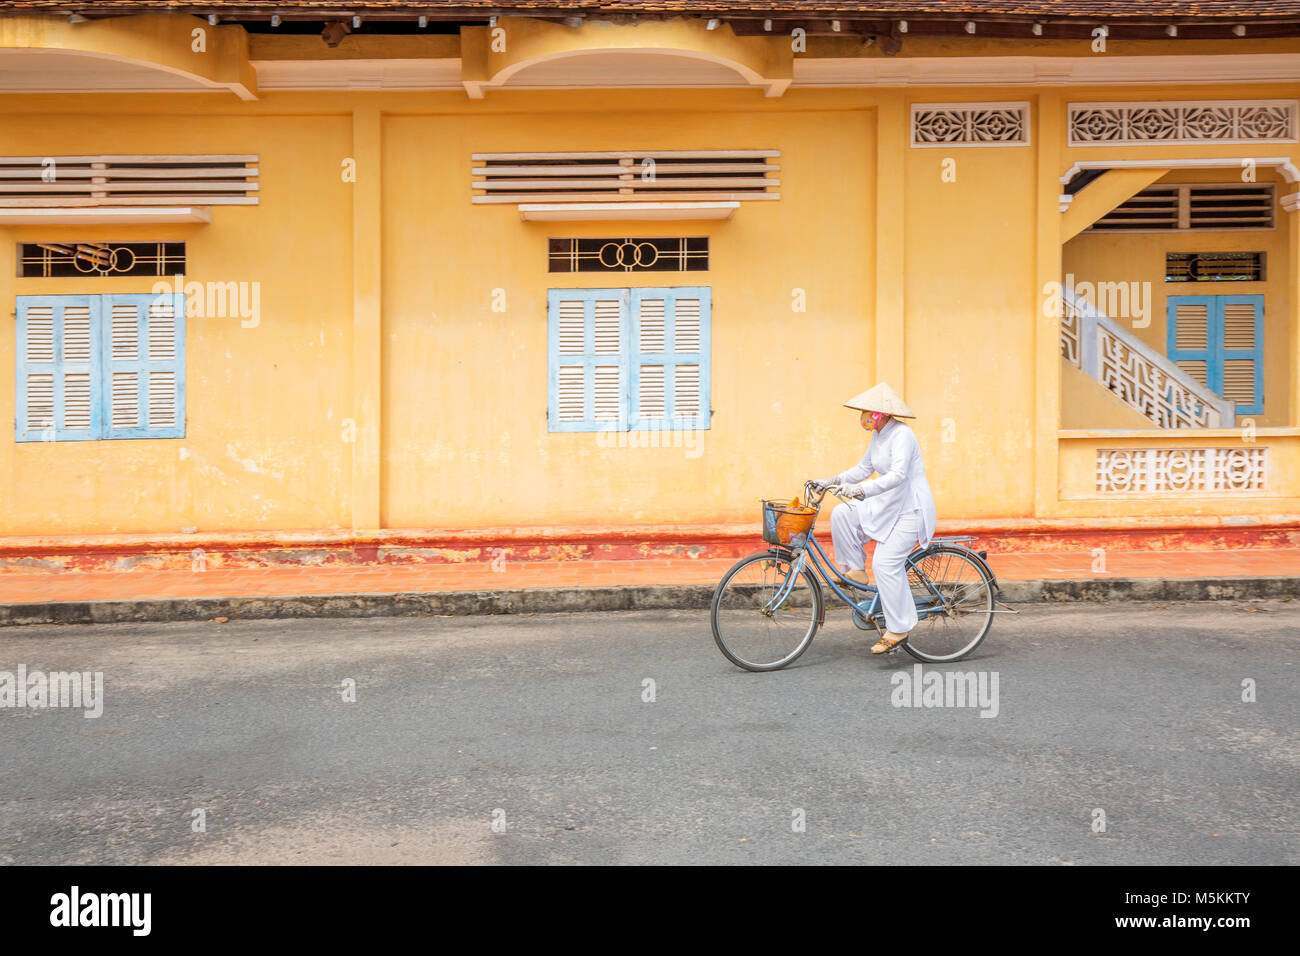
(145,562)
(250,466)
(673,550)
(28,564)
(430,555)
(295,557)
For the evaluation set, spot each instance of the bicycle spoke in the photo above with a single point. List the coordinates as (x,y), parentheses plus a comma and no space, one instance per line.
(953,587)
(754,635)
(975,589)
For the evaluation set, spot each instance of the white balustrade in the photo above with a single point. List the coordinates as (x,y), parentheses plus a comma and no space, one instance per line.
(1139,375)
(1070,333)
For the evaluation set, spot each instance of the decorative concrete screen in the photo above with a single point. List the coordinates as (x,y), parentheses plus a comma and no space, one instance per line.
(1192,121)
(1172,470)
(970,124)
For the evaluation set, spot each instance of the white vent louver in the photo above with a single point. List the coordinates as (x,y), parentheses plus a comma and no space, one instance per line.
(1202,207)
(626,176)
(50,181)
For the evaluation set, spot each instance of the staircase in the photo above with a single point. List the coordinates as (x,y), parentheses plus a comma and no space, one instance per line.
(1144,379)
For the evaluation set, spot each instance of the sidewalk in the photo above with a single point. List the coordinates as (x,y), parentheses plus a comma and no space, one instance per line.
(527,586)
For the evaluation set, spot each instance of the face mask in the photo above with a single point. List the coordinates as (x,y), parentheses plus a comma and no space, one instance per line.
(877,419)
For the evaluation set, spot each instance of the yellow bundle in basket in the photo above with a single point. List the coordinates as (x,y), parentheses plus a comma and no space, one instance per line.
(794,519)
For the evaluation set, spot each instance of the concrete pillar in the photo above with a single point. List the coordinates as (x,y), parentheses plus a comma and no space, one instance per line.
(891,153)
(366,319)
(1047,328)
(1293,278)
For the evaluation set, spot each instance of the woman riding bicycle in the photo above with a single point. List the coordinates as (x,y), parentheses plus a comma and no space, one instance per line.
(895,509)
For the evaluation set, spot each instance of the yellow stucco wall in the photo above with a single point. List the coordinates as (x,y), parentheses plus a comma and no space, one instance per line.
(465,430)
(461,389)
(969,308)
(1087,404)
(264,404)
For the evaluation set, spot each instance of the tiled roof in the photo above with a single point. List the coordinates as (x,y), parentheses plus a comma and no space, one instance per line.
(1243,10)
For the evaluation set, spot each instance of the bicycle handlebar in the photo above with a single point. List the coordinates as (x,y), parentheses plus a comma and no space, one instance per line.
(816,502)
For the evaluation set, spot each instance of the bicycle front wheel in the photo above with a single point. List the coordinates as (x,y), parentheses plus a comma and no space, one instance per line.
(750,629)
(954,600)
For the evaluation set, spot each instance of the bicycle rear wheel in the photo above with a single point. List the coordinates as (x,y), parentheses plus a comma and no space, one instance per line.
(954,600)
(753,635)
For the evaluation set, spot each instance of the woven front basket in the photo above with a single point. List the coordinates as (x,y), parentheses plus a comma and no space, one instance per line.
(785,524)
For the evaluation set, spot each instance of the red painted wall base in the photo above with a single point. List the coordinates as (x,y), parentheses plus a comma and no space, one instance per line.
(126,552)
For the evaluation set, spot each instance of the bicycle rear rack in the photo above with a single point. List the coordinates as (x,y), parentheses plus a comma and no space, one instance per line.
(959,541)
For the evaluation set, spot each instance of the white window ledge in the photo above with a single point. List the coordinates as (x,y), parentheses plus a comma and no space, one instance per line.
(625,211)
(1180,434)
(100,215)
(1283,164)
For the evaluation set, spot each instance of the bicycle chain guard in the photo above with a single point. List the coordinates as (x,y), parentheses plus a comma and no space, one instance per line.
(862,624)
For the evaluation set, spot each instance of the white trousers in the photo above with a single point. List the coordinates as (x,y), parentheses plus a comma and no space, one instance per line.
(888,565)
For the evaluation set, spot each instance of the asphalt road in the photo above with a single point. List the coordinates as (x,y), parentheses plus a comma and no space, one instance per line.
(539,724)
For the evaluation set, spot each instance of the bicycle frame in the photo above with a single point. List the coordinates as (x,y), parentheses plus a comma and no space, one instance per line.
(867,610)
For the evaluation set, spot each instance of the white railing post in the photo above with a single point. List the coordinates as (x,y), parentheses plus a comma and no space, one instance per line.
(1089,346)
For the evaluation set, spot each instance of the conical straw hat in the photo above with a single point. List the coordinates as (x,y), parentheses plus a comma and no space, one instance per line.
(880,398)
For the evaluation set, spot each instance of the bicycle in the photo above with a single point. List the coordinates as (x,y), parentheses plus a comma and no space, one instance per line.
(765,621)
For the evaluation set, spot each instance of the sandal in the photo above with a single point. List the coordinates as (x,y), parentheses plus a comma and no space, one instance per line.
(888,641)
(860,585)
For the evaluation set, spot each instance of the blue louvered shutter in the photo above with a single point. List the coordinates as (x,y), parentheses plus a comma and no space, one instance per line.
(1241,372)
(1188,336)
(143,388)
(1219,341)
(588,359)
(58,372)
(670,366)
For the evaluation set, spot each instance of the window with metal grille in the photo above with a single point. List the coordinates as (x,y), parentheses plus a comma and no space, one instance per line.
(1186,207)
(1214,267)
(689,254)
(94,367)
(628,359)
(54,259)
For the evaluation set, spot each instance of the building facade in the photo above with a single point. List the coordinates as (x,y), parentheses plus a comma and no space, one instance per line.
(622,270)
